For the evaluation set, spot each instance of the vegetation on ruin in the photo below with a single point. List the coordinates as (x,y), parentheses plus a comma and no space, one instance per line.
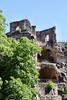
(50,85)
(65,91)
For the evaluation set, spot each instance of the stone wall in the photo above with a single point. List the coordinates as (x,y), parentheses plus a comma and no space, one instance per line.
(48,71)
(47,36)
(41,87)
(50,97)
(17,35)
(23,25)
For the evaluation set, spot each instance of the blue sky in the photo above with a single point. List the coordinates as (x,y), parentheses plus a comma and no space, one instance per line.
(42,13)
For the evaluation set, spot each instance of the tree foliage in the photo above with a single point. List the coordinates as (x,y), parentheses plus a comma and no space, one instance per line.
(2,23)
(18,68)
(50,85)
(18,73)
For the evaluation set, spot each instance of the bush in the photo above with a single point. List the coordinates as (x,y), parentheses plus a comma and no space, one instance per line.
(50,85)
(16,90)
(65,91)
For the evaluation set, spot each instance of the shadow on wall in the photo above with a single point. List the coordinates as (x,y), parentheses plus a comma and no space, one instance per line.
(46,55)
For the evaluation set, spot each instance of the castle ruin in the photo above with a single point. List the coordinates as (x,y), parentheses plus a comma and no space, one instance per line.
(47,64)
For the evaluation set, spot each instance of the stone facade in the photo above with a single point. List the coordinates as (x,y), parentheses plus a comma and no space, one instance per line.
(47,37)
(21,28)
(44,37)
(23,25)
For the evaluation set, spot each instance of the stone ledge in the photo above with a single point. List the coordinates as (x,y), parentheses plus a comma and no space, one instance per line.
(50,97)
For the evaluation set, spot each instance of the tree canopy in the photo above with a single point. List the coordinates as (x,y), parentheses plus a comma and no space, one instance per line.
(18,73)
(2,23)
(17,68)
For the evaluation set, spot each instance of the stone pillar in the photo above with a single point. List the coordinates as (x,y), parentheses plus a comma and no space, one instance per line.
(34,30)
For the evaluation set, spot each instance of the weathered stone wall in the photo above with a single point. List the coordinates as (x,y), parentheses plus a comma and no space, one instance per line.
(41,86)
(23,25)
(41,36)
(13,26)
(51,97)
(17,35)
(48,71)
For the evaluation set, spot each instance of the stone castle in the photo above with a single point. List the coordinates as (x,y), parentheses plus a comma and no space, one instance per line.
(51,64)
(25,26)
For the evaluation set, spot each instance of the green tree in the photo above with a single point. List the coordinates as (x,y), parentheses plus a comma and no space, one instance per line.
(18,73)
(2,23)
(16,90)
(18,68)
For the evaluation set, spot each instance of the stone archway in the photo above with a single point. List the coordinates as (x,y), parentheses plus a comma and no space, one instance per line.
(48,72)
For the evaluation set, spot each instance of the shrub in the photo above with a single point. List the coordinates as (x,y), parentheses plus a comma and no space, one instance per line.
(65,91)
(50,85)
